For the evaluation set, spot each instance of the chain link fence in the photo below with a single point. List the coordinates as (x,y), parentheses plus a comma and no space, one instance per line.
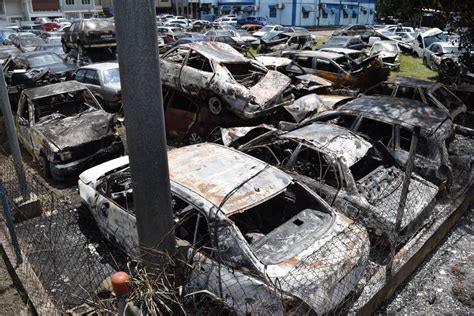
(66,258)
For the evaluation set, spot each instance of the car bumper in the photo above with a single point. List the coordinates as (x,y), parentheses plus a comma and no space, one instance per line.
(62,171)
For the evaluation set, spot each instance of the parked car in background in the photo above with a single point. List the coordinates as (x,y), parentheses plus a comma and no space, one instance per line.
(389,52)
(426,38)
(27,42)
(278,42)
(229,20)
(352,30)
(340,69)
(50,26)
(269,28)
(30,27)
(173,32)
(253,20)
(229,191)
(406,37)
(103,79)
(55,48)
(89,33)
(63,127)
(178,23)
(345,42)
(7,51)
(40,60)
(251,28)
(437,51)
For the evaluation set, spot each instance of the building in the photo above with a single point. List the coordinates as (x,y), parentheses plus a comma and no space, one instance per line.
(79,8)
(161,6)
(12,11)
(296,12)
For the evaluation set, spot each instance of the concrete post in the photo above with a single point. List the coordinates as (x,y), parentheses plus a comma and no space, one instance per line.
(145,125)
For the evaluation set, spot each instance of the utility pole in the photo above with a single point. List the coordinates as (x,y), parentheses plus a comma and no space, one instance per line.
(145,125)
(12,139)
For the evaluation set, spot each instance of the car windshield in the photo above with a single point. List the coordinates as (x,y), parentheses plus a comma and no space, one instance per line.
(300,30)
(44,60)
(453,50)
(55,49)
(441,37)
(97,25)
(111,76)
(336,41)
(31,41)
(385,47)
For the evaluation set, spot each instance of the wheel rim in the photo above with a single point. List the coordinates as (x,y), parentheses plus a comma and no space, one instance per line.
(215,105)
(194,138)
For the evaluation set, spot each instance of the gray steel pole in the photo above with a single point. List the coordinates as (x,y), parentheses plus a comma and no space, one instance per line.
(12,139)
(145,125)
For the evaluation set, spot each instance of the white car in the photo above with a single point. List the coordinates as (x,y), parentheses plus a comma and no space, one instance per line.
(268,28)
(179,23)
(255,237)
(426,38)
(229,20)
(388,52)
(433,54)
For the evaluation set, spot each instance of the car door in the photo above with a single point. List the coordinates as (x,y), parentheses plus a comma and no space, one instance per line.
(25,120)
(292,43)
(196,74)
(327,69)
(91,80)
(171,67)
(114,211)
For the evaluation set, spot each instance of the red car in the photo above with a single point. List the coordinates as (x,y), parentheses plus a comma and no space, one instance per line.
(50,26)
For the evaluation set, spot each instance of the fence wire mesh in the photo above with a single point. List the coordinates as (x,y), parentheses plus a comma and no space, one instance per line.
(215,272)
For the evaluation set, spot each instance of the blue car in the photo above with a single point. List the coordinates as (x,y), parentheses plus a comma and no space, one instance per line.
(260,20)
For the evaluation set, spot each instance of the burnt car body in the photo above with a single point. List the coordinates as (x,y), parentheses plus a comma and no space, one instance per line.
(389,52)
(433,94)
(353,174)
(39,60)
(89,33)
(303,82)
(340,69)
(276,42)
(246,221)
(7,51)
(391,121)
(350,42)
(63,127)
(221,76)
(437,51)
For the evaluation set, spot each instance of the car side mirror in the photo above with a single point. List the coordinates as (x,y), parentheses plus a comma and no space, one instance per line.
(22,121)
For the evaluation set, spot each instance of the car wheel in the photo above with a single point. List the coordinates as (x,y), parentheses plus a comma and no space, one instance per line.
(195,138)
(44,167)
(215,105)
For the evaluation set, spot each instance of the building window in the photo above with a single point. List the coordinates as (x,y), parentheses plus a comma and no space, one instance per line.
(325,14)
(70,2)
(344,14)
(305,14)
(354,15)
(273,12)
(86,1)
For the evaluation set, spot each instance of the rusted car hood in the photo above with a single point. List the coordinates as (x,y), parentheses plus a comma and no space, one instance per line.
(76,130)
(270,87)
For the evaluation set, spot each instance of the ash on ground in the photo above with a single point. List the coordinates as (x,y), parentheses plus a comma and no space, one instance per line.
(444,283)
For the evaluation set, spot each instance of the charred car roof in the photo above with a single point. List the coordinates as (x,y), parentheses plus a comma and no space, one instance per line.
(314,53)
(332,139)
(219,52)
(53,89)
(240,180)
(406,112)
(413,82)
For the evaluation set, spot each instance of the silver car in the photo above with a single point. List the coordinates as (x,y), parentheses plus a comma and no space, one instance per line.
(103,79)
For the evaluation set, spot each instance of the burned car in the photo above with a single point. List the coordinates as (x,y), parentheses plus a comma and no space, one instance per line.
(391,122)
(340,69)
(224,79)
(63,127)
(389,52)
(433,94)
(256,237)
(357,176)
(276,42)
(303,82)
(89,33)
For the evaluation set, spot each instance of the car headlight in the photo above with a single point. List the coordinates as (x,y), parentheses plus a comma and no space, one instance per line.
(65,155)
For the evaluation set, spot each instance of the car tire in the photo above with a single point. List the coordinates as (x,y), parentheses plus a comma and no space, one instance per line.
(194,138)
(215,105)
(44,167)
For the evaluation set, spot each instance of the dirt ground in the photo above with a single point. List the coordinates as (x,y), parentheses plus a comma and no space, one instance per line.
(11,301)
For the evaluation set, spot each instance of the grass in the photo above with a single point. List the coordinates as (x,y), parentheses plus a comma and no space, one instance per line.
(414,68)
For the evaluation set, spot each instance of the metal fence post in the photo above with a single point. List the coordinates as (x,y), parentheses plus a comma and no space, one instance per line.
(12,139)
(403,195)
(145,124)
(9,219)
